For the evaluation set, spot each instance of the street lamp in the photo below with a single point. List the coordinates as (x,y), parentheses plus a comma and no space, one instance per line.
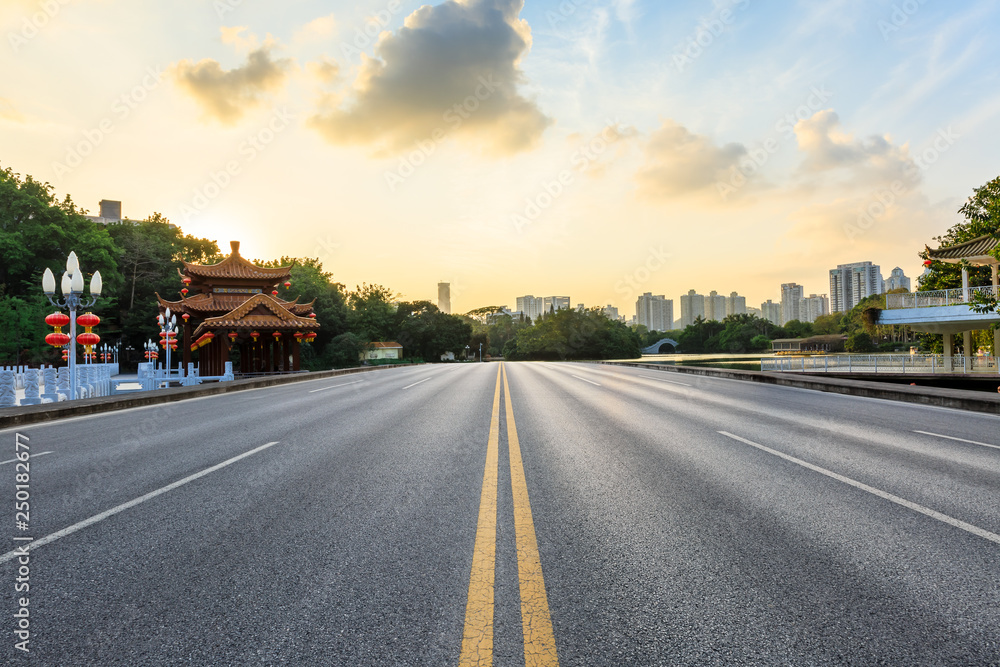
(168,330)
(480,353)
(73,299)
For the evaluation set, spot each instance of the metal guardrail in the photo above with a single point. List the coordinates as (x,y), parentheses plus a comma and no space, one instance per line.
(882,363)
(936,298)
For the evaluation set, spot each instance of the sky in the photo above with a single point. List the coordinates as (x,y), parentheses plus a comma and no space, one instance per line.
(593,148)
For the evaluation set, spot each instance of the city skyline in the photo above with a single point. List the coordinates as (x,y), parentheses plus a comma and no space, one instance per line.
(592,147)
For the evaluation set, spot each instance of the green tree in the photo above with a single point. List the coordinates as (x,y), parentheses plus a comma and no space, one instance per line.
(371,314)
(859,342)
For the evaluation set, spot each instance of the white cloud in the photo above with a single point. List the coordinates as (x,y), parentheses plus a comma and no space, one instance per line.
(452,69)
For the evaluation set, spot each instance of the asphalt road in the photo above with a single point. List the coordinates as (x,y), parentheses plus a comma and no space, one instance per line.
(586,514)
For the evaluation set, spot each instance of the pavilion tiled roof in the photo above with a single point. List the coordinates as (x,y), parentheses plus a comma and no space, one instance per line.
(223,303)
(261,311)
(975,250)
(236,267)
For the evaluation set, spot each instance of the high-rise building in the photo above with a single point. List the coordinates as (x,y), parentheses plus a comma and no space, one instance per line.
(897,280)
(850,283)
(611,313)
(692,307)
(553,303)
(791,302)
(813,306)
(656,313)
(530,305)
(771,311)
(444,298)
(715,306)
(756,312)
(735,304)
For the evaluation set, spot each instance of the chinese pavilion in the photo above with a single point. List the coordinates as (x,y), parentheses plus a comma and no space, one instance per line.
(235,304)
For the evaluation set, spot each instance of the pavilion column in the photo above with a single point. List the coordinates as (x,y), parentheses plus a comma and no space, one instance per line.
(948,351)
(186,327)
(967,344)
(296,344)
(284,354)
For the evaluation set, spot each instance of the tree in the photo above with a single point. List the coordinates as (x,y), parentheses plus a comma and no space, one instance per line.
(859,342)
(371,315)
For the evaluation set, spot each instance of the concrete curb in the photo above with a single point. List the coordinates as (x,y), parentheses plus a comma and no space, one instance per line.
(35,414)
(958,399)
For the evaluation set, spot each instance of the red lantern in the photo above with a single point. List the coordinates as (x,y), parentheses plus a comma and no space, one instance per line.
(186,280)
(88,320)
(57,320)
(288,283)
(57,339)
(233,336)
(277,335)
(274,292)
(312,315)
(255,335)
(186,317)
(184,291)
(88,339)
(299,335)
(927,262)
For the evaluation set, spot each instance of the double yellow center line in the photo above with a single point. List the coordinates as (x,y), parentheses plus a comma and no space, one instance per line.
(477,639)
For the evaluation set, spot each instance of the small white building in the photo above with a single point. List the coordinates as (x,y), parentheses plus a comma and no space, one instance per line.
(390,350)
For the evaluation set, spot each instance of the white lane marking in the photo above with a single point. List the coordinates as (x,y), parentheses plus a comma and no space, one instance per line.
(416,383)
(586,380)
(132,503)
(949,437)
(944,518)
(334,386)
(649,377)
(30,457)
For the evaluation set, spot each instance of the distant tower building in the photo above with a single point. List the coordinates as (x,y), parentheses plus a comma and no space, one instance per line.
(692,307)
(656,313)
(897,280)
(444,298)
(715,306)
(611,313)
(850,283)
(530,305)
(771,311)
(554,303)
(814,306)
(791,302)
(736,304)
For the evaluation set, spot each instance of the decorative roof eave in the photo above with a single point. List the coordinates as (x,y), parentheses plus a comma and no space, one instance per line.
(242,317)
(235,267)
(975,251)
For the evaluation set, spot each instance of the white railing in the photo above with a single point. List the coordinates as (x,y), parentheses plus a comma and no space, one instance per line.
(934,298)
(881,363)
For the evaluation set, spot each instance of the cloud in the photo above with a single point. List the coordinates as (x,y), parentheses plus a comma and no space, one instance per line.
(451,69)
(680,163)
(225,95)
(326,70)
(318,29)
(829,150)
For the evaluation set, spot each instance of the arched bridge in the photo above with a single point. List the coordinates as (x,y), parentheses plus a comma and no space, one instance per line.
(664,346)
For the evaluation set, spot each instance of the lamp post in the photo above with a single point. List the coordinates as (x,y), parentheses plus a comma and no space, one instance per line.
(466,352)
(480,353)
(73,299)
(168,329)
